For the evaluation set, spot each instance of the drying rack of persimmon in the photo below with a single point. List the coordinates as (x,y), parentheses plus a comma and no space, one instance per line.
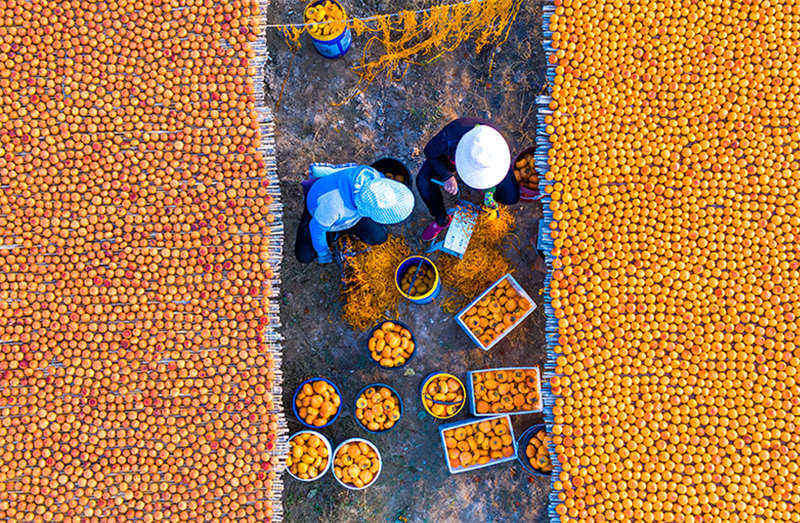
(670,137)
(141,239)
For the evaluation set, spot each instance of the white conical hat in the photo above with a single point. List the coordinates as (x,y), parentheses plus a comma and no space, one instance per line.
(482,157)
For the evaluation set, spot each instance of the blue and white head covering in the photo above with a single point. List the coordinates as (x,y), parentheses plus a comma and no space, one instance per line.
(384,200)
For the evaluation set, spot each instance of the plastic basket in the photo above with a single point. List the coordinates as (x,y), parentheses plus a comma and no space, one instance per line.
(471,392)
(399,400)
(393,166)
(294,405)
(377,474)
(376,327)
(522,443)
(511,327)
(526,193)
(330,454)
(411,263)
(497,461)
(422,393)
(332,46)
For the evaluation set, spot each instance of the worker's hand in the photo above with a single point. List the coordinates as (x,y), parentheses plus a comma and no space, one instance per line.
(323,259)
(451,185)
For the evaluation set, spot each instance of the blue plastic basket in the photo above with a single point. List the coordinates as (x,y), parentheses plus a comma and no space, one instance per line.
(294,405)
(397,395)
(422,393)
(334,46)
(522,443)
(411,263)
(376,327)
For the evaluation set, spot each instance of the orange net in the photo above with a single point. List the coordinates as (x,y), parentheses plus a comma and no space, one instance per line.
(483,262)
(417,37)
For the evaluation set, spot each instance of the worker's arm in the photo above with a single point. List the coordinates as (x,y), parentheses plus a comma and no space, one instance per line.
(436,154)
(320,241)
(441,171)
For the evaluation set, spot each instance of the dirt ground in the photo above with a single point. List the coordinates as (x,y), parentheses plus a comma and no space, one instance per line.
(395,120)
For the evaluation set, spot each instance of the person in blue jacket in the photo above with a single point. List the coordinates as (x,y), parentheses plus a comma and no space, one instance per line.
(355,199)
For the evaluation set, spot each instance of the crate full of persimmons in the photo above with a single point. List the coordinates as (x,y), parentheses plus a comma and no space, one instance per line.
(506,390)
(474,444)
(496,312)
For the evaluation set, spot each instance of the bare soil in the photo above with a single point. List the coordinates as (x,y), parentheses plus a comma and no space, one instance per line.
(395,120)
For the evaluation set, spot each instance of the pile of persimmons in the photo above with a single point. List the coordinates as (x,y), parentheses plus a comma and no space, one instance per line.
(134,378)
(675,137)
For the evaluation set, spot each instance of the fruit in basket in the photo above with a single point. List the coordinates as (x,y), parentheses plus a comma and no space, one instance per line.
(317,402)
(478,443)
(395,176)
(443,395)
(537,453)
(356,464)
(308,456)
(391,345)
(327,19)
(506,390)
(525,172)
(418,281)
(378,408)
(496,312)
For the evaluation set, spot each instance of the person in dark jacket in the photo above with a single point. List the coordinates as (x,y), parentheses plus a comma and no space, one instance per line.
(473,151)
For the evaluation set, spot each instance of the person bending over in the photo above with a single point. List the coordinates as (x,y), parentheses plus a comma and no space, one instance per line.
(354,199)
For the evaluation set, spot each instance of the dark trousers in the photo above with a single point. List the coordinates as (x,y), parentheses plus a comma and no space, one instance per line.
(506,192)
(368,231)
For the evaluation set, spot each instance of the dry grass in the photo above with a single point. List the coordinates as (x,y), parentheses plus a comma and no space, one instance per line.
(369,291)
(483,262)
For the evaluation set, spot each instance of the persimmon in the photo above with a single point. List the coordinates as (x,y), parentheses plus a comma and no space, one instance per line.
(357,463)
(525,172)
(417,282)
(309,455)
(537,453)
(317,402)
(672,187)
(443,395)
(498,311)
(506,390)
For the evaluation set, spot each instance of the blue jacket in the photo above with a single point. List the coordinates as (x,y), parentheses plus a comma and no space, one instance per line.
(331,203)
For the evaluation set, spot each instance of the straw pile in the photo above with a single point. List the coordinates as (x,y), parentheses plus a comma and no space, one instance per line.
(483,262)
(368,291)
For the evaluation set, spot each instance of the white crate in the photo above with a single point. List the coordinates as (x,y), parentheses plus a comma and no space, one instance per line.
(453,425)
(471,392)
(511,327)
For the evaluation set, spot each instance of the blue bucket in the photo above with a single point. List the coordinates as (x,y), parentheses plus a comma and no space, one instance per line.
(522,444)
(411,263)
(334,46)
(297,414)
(399,401)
